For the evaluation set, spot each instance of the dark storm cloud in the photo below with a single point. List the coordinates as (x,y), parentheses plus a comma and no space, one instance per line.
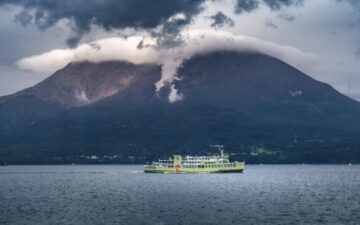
(220,20)
(278,4)
(109,14)
(73,41)
(249,5)
(168,36)
(24,18)
(246,5)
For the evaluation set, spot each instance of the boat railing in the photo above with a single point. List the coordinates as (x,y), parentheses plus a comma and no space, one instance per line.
(217,165)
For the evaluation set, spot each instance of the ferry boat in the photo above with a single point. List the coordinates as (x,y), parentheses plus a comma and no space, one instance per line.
(196,164)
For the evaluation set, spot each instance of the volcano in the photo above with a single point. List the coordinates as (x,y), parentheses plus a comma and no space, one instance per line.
(259,107)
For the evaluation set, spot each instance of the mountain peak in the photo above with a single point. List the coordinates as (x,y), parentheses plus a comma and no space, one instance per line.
(240,100)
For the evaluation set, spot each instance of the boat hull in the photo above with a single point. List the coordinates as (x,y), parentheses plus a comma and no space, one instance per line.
(239,168)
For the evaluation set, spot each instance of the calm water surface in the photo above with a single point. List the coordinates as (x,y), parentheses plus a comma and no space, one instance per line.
(269,194)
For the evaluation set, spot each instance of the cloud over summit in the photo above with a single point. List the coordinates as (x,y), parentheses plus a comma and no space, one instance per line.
(196,42)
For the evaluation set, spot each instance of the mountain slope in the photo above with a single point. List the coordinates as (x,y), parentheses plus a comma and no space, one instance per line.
(254,104)
(78,84)
(264,87)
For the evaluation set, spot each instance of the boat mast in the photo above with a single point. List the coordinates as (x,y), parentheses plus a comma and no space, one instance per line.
(220,148)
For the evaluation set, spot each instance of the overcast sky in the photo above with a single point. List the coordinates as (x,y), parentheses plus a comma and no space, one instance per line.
(320,37)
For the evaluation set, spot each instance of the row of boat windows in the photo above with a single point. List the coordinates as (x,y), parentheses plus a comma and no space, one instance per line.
(204,158)
(208,162)
(196,160)
(227,165)
(216,158)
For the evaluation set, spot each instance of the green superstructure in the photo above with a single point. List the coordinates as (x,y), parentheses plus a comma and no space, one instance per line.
(196,164)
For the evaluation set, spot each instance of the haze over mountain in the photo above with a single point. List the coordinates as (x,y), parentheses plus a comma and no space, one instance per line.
(259,107)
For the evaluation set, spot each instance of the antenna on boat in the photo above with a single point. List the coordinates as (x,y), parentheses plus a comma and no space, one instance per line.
(220,148)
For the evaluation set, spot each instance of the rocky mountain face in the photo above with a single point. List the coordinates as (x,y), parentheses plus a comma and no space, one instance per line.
(78,84)
(259,107)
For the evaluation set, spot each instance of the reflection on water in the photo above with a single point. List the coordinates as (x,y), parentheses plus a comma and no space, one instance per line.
(268,194)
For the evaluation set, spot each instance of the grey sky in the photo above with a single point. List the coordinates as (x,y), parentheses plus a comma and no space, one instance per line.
(327,28)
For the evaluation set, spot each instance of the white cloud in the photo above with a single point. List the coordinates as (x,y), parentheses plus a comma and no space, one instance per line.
(196,42)
(98,51)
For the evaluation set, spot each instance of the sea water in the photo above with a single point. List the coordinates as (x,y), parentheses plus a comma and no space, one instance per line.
(121,194)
